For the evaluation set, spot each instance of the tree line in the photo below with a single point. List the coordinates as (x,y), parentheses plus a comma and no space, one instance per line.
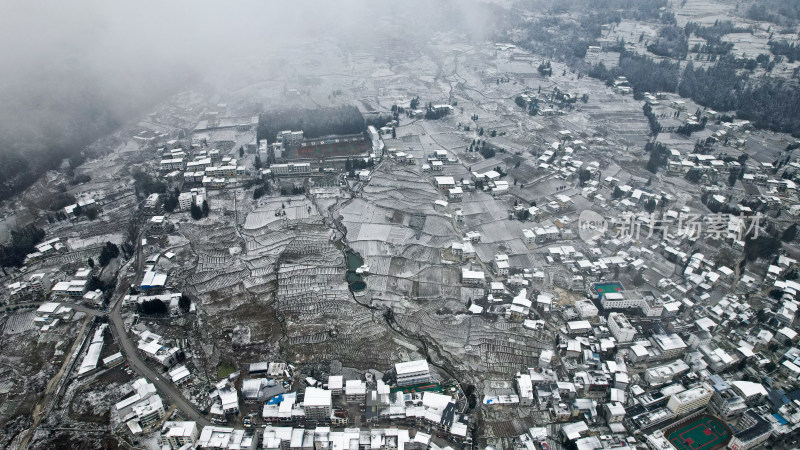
(568,38)
(23,241)
(768,103)
(313,122)
(780,12)
(713,36)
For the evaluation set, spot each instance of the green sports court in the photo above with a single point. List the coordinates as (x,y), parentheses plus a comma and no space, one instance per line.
(604,288)
(703,433)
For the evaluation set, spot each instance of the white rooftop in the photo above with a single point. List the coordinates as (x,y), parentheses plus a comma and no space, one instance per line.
(317,397)
(409,367)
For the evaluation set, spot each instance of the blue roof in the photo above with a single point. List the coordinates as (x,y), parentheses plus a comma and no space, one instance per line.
(275,400)
(780,419)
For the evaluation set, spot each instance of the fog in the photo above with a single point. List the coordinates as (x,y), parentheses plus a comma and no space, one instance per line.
(75,71)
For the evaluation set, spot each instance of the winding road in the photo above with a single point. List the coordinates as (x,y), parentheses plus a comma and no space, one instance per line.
(129,348)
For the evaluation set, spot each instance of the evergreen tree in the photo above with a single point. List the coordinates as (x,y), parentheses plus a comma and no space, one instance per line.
(109,252)
(153,307)
(184,303)
(171,201)
(196,212)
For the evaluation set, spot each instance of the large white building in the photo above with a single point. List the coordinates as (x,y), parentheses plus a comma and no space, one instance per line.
(173,164)
(355,391)
(176,434)
(472,277)
(586,309)
(725,402)
(690,400)
(218,438)
(335,384)
(141,409)
(659,375)
(317,404)
(445,183)
(73,288)
(752,393)
(289,137)
(196,196)
(291,168)
(670,345)
(525,389)
(412,372)
(644,301)
(621,327)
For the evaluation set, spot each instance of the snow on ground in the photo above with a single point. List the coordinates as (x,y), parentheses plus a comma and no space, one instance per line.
(79,243)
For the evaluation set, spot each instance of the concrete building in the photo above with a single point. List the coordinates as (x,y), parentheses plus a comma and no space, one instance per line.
(176,434)
(73,288)
(576,327)
(621,327)
(412,372)
(690,400)
(40,282)
(753,393)
(725,402)
(335,384)
(614,412)
(472,277)
(524,389)
(656,376)
(173,164)
(355,391)
(141,409)
(291,169)
(586,309)
(289,137)
(317,404)
(195,195)
(226,438)
(754,431)
(445,183)
(670,345)
(699,338)
(501,265)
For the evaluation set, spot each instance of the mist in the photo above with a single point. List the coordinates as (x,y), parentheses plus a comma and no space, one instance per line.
(75,71)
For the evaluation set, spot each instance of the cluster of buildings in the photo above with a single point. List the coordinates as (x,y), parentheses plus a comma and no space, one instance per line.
(698,334)
(46,249)
(142,408)
(155,348)
(637,380)
(407,415)
(36,286)
(381,404)
(184,434)
(73,288)
(206,168)
(50,314)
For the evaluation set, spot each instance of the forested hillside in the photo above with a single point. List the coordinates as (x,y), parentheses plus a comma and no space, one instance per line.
(313,122)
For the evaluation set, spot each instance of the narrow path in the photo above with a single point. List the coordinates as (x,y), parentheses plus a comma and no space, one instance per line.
(389,318)
(44,405)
